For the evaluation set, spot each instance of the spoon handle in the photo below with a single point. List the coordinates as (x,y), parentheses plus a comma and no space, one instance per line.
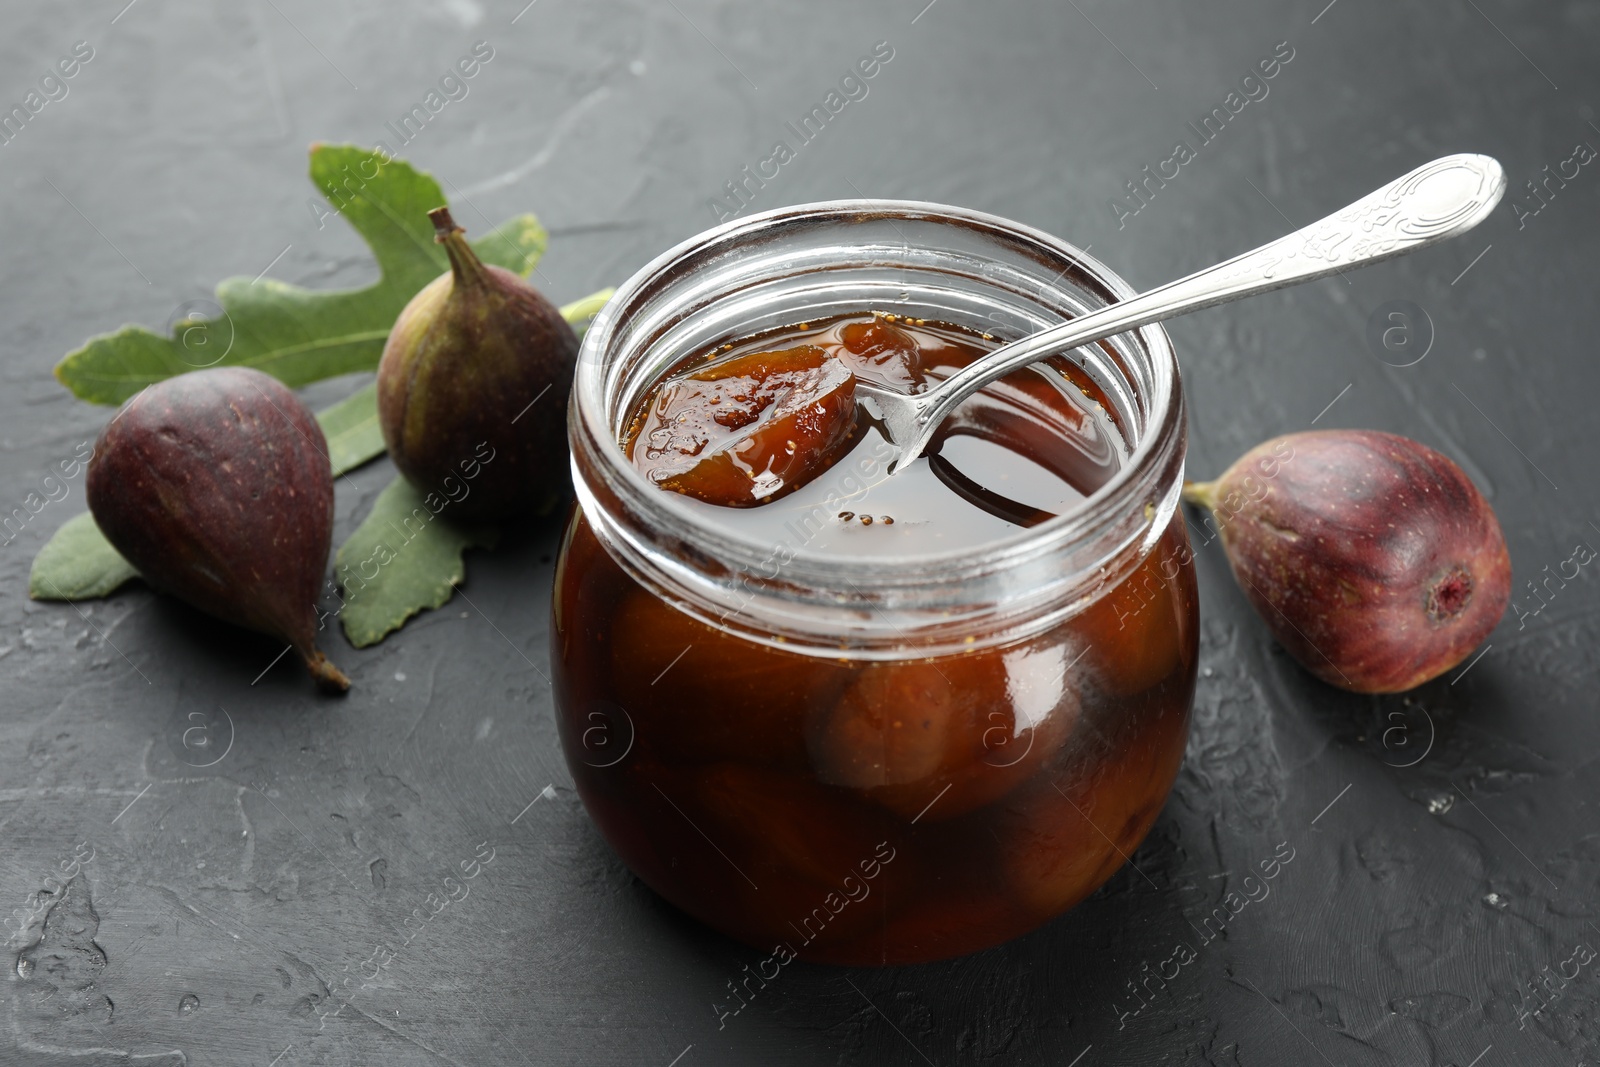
(1437,200)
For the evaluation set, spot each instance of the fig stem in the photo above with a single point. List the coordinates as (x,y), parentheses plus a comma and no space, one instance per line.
(329,679)
(443,224)
(465,265)
(1202,493)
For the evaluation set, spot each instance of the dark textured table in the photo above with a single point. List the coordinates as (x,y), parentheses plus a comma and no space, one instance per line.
(1438,854)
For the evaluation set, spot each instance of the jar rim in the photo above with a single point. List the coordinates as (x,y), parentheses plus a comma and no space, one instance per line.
(1146,483)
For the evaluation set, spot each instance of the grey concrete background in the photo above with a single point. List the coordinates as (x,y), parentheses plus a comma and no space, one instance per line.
(1446,846)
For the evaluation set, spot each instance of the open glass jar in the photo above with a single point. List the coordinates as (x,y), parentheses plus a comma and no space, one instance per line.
(870,759)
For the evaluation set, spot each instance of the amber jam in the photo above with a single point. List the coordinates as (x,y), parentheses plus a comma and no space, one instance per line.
(759,423)
(897,806)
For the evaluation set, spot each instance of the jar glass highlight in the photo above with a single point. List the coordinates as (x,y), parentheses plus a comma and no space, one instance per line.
(868,760)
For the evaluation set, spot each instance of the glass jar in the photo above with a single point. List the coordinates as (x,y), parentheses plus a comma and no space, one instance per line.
(860,760)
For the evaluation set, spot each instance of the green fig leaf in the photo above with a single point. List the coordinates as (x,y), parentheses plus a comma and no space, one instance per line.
(78,563)
(516,244)
(579,312)
(414,557)
(351,425)
(302,335)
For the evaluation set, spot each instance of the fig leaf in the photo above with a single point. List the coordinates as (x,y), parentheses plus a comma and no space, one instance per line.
(351,427)
(78,563)
(302,335)
(414,557)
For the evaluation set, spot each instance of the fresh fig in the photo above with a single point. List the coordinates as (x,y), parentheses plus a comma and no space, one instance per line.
(466,363)
(1373,559)
(216,485)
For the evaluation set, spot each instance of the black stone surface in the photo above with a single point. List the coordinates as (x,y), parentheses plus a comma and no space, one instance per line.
(1439,907)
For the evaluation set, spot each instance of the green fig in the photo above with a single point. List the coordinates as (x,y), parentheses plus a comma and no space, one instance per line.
(472,387)
(216,485)
(1372,558)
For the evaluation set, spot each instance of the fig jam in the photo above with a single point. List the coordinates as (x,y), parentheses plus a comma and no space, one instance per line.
(872,811)
(1031,446)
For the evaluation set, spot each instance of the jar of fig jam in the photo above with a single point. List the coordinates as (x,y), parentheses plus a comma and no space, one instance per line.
(858,718)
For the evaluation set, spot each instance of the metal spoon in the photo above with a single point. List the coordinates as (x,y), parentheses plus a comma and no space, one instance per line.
(1437,200)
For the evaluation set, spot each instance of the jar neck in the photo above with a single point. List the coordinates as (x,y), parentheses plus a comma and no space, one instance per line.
(931,261)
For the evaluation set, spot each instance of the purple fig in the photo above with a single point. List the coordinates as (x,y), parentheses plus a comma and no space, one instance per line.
(1373,559)
(466,363)
(216,485)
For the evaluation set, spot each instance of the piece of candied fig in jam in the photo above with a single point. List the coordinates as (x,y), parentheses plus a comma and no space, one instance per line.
(804,852)
(782,825)
(901,723)
(881,352)
(1139,631)
(749,429)
(704,696)
(938,738)
(1062,838)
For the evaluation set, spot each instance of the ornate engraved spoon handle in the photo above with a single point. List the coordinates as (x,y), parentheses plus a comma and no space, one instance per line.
(1436,201)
